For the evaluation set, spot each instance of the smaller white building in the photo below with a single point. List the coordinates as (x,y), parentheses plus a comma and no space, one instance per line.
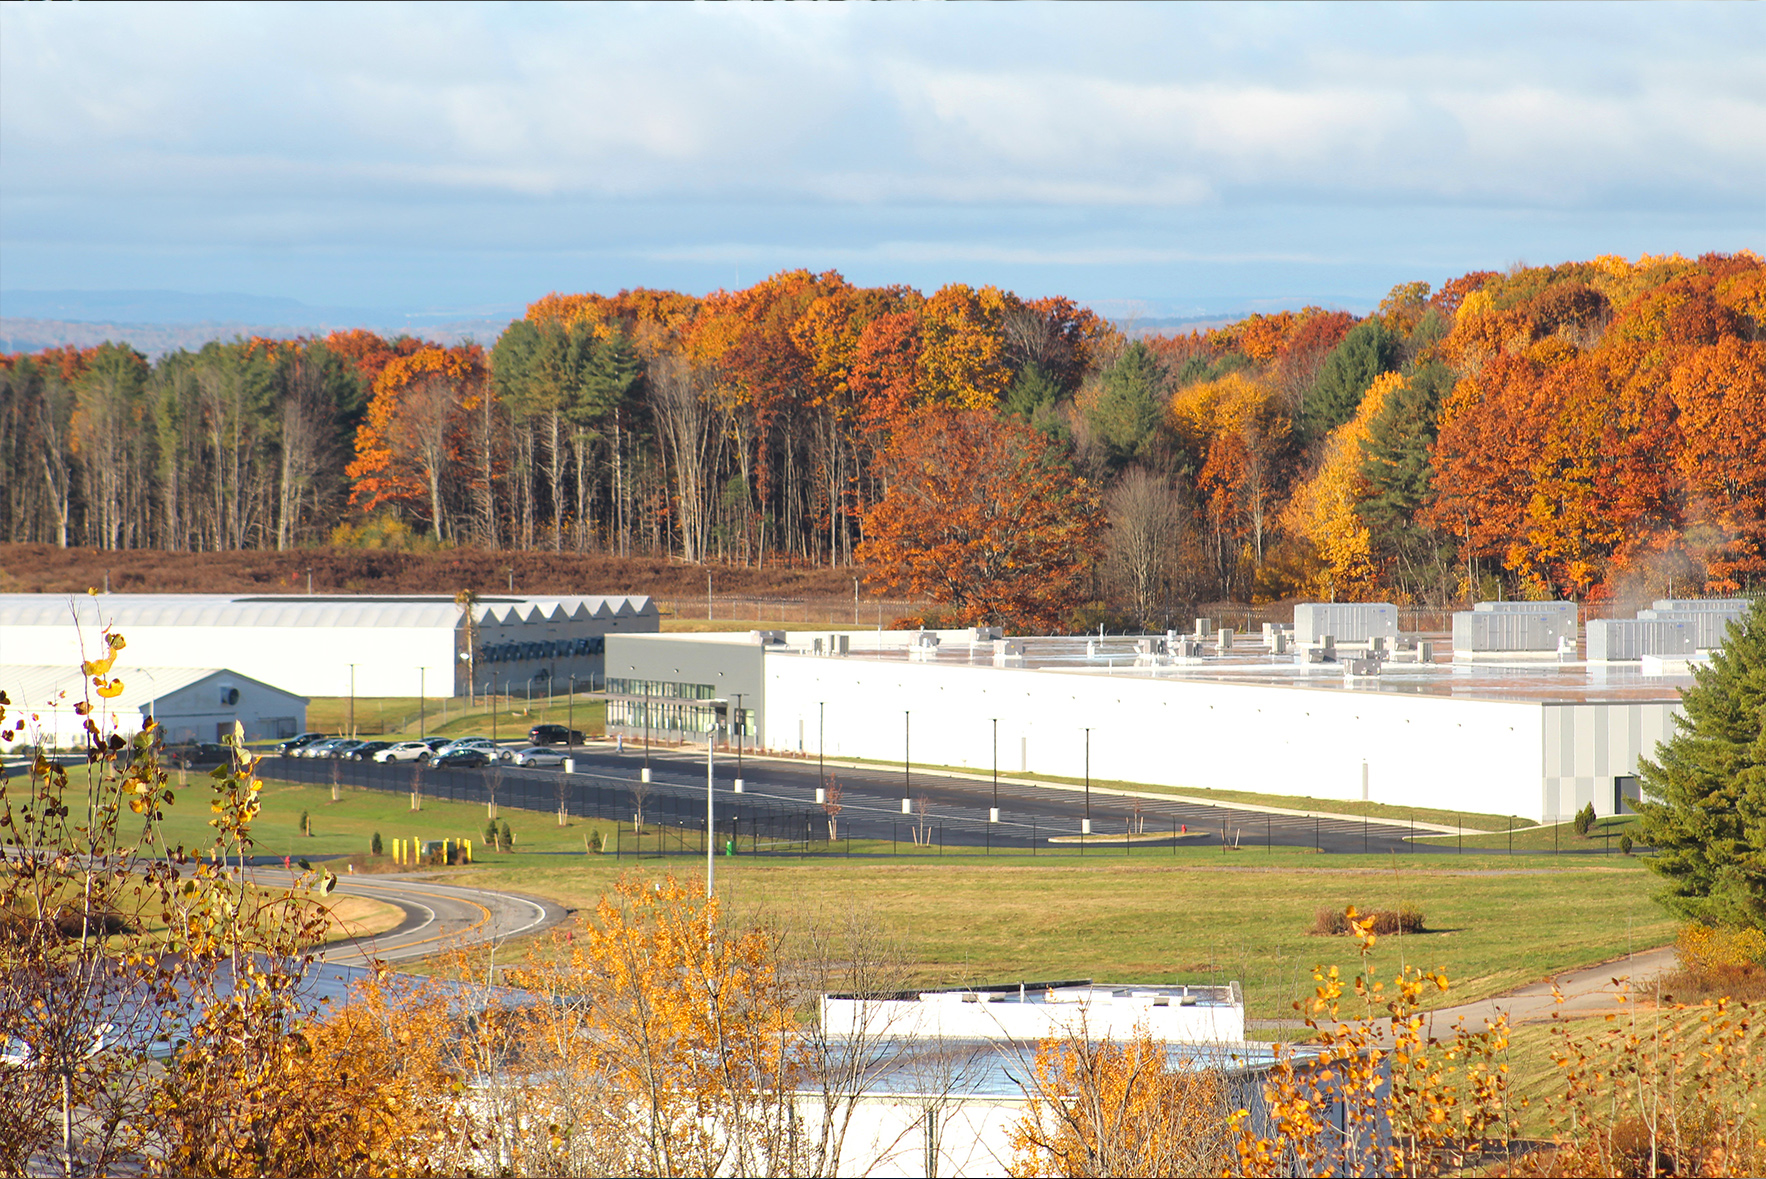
(190,704)
(1027,1012)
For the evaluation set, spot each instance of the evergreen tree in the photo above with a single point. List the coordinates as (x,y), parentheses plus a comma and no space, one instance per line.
(1367,351)
(1130,406)
(1399,475)
(1704,808)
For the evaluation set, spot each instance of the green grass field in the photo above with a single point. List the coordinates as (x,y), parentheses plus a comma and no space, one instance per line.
(397,716)
(1602,837)
(1192,915)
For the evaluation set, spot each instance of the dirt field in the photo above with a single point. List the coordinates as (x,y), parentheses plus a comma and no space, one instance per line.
(35,568)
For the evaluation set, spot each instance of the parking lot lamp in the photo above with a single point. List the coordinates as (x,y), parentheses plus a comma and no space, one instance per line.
(421,688)
(570,718)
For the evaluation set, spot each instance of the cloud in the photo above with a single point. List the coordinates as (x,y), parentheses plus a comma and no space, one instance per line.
(973,134)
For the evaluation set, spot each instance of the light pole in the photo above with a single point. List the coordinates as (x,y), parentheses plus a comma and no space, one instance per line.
(421,690)
(493,708)
(1087,830)
(646,776)
(994,815)
(352,700)
(570,718)
(907,777)
(710,814)
(741,732)
(821,744)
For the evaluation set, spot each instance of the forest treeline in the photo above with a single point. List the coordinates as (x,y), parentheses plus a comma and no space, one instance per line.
(1588,430)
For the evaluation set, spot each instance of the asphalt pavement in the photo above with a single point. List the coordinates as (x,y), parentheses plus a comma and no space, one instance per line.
(951,809)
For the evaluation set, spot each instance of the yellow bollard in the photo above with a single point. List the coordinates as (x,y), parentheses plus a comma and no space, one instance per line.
(466,848)
(447,850)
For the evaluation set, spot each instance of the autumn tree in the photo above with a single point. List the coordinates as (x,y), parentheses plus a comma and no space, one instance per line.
(1128,410)
(986,518)
(1150,548)
(1398,478)
(1325,508)
(416,437)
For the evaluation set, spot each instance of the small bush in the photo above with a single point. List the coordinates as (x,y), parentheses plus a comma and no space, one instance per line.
(1331,922)
(1625,844)
(508,837)
(375,846)
(1584,821)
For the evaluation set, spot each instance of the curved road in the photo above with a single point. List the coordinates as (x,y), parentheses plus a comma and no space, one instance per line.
(437,917)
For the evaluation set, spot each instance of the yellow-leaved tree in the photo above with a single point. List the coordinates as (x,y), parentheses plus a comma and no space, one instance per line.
(1323,509)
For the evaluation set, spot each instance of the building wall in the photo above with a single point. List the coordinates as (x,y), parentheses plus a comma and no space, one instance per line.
(1588,746)
(311,661)
(671,664)
(1425,751)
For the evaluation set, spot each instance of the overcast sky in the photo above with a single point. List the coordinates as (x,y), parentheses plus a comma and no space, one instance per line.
(1190,157)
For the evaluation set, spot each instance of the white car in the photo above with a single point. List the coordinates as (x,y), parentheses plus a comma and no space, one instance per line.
(405,751)
(539,755)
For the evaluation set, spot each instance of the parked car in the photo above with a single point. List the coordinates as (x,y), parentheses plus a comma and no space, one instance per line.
(491,748)
(468,758)
(347,749)
(367,749)
(198,754)
(293,746)
(554,735)
(539,755)
(404,751)
(325,748)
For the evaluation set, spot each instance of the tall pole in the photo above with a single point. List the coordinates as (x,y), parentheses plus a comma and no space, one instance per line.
(493,708)
(646,730)
(1088,781)
(821,734)
(352,700)
(996,770)
(907,777)
(710,817)
(422,695)
(570,718)
(741,732)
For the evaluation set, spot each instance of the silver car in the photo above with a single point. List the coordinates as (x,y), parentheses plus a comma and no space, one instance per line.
(540,755)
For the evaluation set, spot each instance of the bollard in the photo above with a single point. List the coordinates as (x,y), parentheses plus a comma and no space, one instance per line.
(466,846)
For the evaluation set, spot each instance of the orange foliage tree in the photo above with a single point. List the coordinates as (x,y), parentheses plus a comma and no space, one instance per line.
(416,435)
(985,517)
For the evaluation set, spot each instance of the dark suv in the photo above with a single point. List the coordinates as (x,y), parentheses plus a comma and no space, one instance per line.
(554,735)
(286,748)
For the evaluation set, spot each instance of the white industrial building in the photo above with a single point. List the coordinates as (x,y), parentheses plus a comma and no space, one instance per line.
(1380,717)
(336,645)
(189,703)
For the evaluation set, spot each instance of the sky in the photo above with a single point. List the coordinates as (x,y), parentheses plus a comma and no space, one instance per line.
(1145,159)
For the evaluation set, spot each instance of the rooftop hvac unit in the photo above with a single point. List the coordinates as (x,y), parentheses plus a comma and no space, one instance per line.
(1615,639)
(1008,653)
(1350,622)
(1710,627)
(1567,610)
(1722,605)
(1513,630)
(985,634)
(767,638)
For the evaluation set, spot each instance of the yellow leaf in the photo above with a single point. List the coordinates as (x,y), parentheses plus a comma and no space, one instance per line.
(112,690)
(96,667)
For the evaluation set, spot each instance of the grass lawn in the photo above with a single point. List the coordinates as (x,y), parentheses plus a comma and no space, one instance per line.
(397,716)
(1190,915)
(1602,837)
(1184,917)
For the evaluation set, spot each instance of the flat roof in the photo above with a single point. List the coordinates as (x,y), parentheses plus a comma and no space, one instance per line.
(1251,662)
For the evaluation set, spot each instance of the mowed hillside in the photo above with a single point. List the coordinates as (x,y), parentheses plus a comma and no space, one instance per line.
(42,568)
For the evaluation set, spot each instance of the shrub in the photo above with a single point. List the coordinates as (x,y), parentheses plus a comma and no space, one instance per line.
(375,846)
(490,835)
(1704,948)
(1625,844)
(1328,922)
(306,824)
(508,837)
(1584,821)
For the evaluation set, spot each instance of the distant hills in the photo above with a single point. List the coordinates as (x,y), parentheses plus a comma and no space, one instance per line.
(157,322)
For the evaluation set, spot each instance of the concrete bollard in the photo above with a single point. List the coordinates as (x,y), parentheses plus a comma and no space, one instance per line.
(739,785)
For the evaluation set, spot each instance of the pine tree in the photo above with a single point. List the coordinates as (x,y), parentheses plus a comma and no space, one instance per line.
(1704,808)
(1400,477)
(1367,351)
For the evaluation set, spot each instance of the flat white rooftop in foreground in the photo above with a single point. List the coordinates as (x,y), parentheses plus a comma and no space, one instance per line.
(1028,1012)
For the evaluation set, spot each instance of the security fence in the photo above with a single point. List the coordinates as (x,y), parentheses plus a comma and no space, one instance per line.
(753,825)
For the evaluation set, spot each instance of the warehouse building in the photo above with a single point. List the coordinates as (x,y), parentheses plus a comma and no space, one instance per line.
(337,645)
(189,703)
(1377,717)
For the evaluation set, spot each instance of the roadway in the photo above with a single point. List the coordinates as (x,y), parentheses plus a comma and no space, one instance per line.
(956,806)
